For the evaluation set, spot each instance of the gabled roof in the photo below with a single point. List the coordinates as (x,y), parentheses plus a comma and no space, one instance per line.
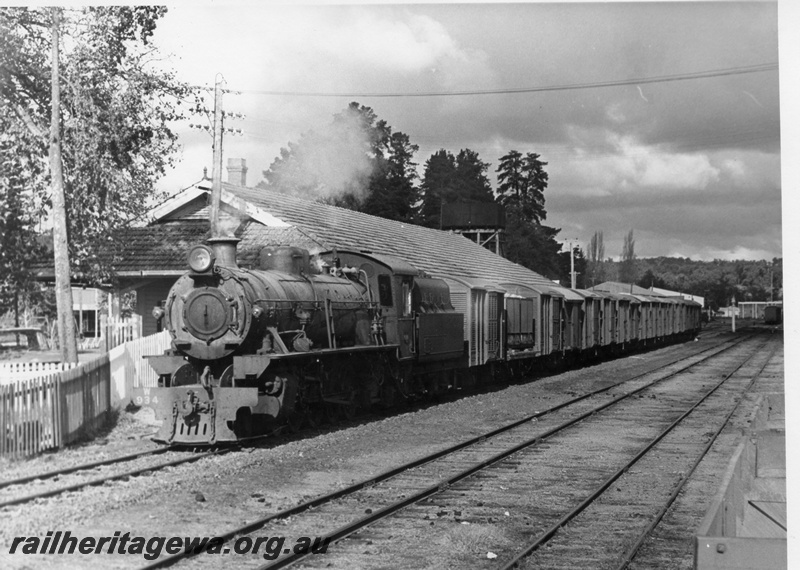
(160,249)
(262,217)
(436,252)
(617,287)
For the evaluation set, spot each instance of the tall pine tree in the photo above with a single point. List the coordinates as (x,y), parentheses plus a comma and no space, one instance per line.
(450,179)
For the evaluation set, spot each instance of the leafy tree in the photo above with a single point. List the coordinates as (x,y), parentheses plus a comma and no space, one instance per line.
(627,271)
(522,182)
(116,110)
(532,245)
(18,209)
(108,112)
(717,281)
(450,179)
(393,194)
(355,162)
(438,187)
(472,181)
(596,250)
(650,279)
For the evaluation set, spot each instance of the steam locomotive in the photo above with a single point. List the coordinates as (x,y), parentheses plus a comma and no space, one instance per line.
(297,339)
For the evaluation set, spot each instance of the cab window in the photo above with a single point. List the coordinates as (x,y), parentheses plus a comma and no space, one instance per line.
(406,297)
(385,290)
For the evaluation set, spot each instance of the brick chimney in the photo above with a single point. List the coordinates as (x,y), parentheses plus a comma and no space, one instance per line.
(237,171)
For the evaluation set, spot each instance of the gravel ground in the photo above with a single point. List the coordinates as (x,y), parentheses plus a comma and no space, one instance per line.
(216,494)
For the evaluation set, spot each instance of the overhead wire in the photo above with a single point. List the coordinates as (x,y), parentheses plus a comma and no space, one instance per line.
(729,137)
(718,140)
(757,68)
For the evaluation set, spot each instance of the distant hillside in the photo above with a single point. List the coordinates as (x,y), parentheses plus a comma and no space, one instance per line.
(716,280)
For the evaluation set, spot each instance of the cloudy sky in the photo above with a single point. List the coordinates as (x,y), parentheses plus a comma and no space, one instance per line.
(663,118)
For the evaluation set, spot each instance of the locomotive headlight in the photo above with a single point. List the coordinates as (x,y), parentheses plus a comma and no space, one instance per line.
(158,313)
(257,312)
(200,258)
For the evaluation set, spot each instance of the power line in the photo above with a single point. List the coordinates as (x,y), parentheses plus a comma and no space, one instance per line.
(720,139)
(758,68)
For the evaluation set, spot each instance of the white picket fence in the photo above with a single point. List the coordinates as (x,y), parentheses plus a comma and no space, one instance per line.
(116,332)
(13,371)
(130,370)
(119,331)
(59,407)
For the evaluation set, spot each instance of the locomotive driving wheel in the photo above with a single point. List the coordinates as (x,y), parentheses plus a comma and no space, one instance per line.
(350,408)
(295,421)
(330,412)
(389,395)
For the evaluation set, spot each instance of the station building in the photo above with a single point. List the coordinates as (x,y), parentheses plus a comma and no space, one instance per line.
(155,251)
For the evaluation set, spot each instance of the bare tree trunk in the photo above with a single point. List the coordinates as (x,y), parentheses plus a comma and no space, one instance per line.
(66,329)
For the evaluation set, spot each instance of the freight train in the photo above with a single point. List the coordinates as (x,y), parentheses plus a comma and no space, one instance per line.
(300,338)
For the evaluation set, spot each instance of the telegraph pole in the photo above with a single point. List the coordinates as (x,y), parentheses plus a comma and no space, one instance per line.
(216,172)
(67,341)
(572,274)
(573,277)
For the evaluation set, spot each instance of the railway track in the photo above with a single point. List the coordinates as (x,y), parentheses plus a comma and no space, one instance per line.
(42,485)
(618,513)
(52,483)
(466,460)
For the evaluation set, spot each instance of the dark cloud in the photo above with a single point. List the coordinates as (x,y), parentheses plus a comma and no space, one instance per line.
(675,159)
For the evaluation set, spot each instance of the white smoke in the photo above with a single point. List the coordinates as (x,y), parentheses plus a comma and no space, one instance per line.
(330,162)
(229,221)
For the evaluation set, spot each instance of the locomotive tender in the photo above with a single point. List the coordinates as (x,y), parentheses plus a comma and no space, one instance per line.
(296,338)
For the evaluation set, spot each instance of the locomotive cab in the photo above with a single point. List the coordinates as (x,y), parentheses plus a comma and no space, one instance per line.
(416,310)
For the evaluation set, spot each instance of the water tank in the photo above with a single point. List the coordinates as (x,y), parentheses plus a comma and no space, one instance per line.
(473,215)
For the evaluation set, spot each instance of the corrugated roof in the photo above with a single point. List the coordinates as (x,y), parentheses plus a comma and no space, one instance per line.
(162,245)
(436,252)
(617,287)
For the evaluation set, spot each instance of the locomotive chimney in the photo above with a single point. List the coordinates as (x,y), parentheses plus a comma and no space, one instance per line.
(224,249)
(237,171)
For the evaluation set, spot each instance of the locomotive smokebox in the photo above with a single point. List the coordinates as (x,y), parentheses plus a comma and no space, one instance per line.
(292,260)
(224,249)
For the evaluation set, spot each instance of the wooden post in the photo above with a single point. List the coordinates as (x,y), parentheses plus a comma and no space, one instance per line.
(216,172)
(66,329)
